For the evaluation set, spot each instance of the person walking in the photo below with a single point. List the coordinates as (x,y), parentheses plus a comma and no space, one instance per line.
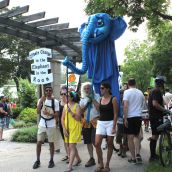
(63,101)
(90,109)
(47,108)
(121,137)
(106,125)
(156,113)
(3,114)
(71,122)
(134,101)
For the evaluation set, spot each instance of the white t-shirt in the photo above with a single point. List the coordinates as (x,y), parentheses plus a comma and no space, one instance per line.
(167,97)
(93,112)
(136,101)
(50,123)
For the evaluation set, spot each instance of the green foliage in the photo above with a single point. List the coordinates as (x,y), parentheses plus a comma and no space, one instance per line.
(16,112)
(16,65)
(27,94)
(138,11)
(156,167)
(28,115)
(137,64)
(19,124)
(161,52)
(25,135)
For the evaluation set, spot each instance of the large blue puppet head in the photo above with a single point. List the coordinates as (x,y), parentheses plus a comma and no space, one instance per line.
(98,50)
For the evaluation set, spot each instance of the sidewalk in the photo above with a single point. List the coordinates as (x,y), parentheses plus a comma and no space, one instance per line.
(19,157)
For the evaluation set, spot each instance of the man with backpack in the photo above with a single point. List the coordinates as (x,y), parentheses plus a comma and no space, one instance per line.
(47,108)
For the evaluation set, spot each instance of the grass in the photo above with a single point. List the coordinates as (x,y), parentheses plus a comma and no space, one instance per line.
(157,167)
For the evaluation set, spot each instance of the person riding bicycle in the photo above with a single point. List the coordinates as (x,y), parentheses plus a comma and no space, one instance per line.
(156,112)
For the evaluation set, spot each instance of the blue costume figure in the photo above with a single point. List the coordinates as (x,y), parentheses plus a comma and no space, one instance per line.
(98,50)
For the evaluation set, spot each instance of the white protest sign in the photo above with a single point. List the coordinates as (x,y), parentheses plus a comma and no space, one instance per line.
(41,66)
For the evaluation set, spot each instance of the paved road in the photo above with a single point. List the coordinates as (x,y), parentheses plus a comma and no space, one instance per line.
(19,157)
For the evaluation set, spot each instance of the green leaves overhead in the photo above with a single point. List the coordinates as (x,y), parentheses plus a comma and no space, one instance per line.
(137,10)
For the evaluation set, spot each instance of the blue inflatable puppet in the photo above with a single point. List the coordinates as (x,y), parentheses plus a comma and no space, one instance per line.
(98,51)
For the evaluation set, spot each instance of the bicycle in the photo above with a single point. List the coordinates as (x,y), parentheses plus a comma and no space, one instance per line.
(165,141)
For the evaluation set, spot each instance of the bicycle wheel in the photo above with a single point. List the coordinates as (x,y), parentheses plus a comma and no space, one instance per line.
(165,148)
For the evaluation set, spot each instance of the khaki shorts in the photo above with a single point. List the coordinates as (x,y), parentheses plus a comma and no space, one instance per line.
(43,131)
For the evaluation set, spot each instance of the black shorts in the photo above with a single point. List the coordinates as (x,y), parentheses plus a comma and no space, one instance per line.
(121,137)
(89,135)
(134,125)
(154,124)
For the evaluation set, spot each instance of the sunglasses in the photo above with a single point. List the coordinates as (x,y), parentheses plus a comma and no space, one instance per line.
(102,88)
(48,90)
(63,94)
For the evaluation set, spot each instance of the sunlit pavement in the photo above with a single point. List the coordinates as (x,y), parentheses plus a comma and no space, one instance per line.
(19,157)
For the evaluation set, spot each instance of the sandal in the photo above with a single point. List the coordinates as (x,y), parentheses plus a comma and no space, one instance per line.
(98,169)
(77,163)
(69,170)
(106,169)
(65,158)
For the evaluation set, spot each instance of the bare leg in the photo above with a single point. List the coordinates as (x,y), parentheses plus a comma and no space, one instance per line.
(98,143)
(51,144)
(1,133)
(77,155)
(38,150)
(137,144)
(66,145)
(90,150)
(110,149)
(131,146)
(72,151)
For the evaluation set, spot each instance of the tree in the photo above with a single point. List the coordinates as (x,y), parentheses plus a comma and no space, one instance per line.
(13,59)
(161,52)
(137,64)
(137,10)
(27,94)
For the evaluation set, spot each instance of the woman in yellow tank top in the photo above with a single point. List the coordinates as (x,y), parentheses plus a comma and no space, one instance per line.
(71,122)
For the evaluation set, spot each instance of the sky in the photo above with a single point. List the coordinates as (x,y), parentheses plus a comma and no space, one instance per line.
(72,11)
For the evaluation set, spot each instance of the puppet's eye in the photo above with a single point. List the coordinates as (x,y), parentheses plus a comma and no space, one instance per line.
(100,23)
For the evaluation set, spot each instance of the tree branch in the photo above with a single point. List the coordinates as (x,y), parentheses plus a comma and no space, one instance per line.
(164,16)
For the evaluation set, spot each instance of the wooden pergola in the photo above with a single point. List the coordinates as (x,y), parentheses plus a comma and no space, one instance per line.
(47,33)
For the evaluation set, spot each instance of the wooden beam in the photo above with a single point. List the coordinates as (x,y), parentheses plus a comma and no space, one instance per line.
(32,17)
(40,32)
(20,34)
(16,12)
(4,3)
(55,26)
(44,22)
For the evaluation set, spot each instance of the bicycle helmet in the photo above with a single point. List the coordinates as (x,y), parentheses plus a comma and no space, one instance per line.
(159,80)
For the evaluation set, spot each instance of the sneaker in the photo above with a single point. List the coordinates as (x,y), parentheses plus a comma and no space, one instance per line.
(51,164)
(123,155)
(138,159)
(154,158)
(36,164)
(132,161)
(90,162)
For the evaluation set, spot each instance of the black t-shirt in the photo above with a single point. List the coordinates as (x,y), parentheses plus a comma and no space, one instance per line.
(155,94)
(5,108)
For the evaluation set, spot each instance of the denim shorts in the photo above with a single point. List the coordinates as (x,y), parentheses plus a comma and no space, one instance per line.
(2,123)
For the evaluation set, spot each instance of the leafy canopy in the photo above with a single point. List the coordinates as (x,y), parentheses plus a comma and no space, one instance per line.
(137,10)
